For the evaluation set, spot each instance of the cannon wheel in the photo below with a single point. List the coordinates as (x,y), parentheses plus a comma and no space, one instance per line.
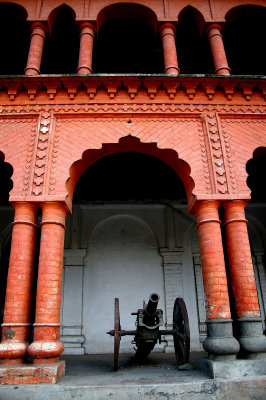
(117,334)
(181,332)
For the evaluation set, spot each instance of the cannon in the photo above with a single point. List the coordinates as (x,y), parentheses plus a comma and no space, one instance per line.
(149,319)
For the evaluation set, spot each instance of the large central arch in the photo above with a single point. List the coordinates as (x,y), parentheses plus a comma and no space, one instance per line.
(130,144)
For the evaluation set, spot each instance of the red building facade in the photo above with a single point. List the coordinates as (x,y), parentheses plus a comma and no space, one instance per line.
(80,81)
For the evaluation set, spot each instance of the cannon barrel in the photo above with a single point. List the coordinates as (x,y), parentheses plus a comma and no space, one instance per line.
(151,307)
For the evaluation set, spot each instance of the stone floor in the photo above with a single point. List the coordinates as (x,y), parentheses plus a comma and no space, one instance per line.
(91,378)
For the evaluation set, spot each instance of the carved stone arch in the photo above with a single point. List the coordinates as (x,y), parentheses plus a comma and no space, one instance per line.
(130,144)
(111,219)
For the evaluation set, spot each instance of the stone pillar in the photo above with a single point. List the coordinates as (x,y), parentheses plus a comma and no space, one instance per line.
(87,32)
(220,343)
(16,323)
(249,325)
(38,32)
(217,50)
(167,32)
(46,347)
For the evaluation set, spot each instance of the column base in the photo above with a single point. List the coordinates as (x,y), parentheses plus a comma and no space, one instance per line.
(250,336)
(233,369)
(28,373)
(220,343)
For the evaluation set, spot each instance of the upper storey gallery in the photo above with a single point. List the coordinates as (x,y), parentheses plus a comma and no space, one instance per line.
(146,37)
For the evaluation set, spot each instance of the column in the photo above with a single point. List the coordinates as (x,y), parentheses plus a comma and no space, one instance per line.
(46,347)
(246,305)
(16,322)
(38,31)
(167,32)
(217,50)
(220,342)
(87,32)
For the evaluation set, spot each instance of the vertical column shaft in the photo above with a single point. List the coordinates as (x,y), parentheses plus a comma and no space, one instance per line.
(217,50)
(16,322)
(38,32)
(220,342)
(87,32)
(167,32)
(246,306)
(239,260)
(46,347)
(212,260)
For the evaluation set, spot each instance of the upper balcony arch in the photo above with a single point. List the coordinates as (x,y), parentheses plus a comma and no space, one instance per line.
(129,10)
(244,38)
(193,50)
(62,44)
(58,14)
(127,40)
(14,38)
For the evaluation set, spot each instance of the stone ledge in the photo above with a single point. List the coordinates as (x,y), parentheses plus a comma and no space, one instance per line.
(29,373)
(233,369)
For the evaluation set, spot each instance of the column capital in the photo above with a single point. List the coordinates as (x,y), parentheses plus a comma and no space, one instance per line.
(234,203)
(39,28)
(214,26)
(171,29)
(206,206)
(87,27)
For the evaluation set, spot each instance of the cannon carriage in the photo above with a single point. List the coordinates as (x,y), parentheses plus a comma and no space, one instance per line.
(149,319)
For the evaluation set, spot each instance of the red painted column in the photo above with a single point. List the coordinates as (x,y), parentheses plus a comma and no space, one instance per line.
(239,260)
(167,32)
(16,322)
(87,32)
(38,32)
(246,305)
(46,347)
(217,50)
(220,342)
(212,260)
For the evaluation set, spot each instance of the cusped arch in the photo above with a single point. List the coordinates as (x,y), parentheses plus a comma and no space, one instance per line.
(6,172)
(59,13)
(130,144)
(127,10)
(195,14)
(255,168)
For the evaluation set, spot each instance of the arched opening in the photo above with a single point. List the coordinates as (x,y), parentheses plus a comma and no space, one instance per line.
(129,214)
(62,47)
(244,39)
(194,56)
(256,168)
(256,216)
(6,213)
(14,39)
(141,178)
(127,41)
